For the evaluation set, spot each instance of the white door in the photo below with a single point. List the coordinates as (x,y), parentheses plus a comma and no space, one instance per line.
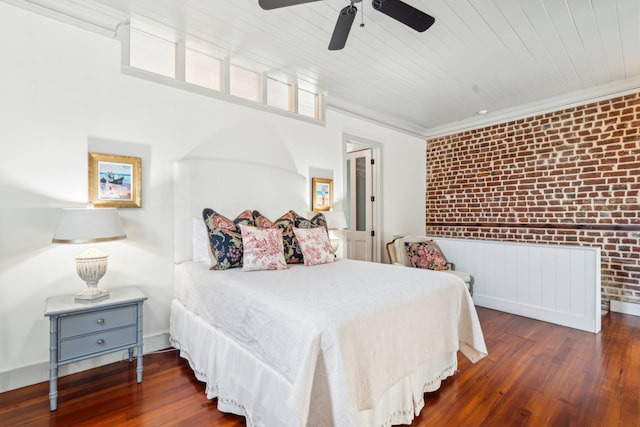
(360,205)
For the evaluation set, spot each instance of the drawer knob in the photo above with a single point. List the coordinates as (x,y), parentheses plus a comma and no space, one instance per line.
(100,321)
(100,341)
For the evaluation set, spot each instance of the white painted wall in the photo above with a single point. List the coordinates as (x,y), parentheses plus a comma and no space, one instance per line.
(61,95)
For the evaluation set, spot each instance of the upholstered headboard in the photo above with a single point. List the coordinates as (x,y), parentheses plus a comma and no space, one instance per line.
(229,187)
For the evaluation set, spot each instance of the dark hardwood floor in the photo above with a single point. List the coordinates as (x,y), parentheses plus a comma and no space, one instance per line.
(536,374)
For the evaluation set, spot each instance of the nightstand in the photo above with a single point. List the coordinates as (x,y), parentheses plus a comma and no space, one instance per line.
(81,330)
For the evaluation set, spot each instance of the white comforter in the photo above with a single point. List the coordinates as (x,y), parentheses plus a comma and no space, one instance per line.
(371,324)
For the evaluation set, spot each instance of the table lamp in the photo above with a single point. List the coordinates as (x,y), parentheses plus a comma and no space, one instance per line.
(336,220)
(89,225)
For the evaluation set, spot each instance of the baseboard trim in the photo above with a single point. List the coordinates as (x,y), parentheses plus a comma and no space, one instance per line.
(539,313)
(625,307)
(38,372)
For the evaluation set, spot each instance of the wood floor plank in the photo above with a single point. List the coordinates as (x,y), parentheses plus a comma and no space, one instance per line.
(536,374)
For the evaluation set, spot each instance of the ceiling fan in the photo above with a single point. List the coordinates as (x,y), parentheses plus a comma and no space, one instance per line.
(396,9)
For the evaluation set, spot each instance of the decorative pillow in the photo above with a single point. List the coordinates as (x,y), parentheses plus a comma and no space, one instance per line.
(262,249)
(286,222)
(200,241)
(426,255)
(318,220)
(261,221)
(225,238)
(315,246)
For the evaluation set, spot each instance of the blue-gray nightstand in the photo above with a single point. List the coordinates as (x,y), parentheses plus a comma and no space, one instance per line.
(80,330)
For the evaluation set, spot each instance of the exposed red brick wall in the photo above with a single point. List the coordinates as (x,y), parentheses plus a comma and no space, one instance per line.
(567,177)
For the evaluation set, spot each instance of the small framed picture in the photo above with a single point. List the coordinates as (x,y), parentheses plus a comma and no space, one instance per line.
(322,194)
(114,181)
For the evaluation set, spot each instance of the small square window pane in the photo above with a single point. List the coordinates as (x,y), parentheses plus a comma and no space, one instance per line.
(202,70)
(244,83)
(307,103)
(152,53)
(278,94)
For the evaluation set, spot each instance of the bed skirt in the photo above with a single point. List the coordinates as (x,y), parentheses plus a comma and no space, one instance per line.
(246,386)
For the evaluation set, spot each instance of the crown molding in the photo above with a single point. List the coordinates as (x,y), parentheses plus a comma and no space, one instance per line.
(362,113)
(84,14)
(573,99)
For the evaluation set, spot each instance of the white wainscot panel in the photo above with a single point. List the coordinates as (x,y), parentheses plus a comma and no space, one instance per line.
(554,283)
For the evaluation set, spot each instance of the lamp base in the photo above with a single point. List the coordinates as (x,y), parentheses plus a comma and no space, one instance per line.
(91,265)
(92,294)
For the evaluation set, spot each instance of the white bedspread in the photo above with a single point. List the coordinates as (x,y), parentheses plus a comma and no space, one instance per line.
(371,324)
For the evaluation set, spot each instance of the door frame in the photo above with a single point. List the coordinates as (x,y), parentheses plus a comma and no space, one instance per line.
(376,154)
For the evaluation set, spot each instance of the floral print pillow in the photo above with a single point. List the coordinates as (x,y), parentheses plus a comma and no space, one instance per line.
(225,238)
(286,223)
(315,246)
(262,249)
(426,255)
(318,220)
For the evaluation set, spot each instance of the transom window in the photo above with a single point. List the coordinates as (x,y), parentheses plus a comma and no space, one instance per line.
(279,94)
(152,53)
(244,83)
(195,62)
(203,70)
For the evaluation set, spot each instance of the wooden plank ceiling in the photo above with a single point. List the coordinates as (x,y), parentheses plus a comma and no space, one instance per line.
(495,55)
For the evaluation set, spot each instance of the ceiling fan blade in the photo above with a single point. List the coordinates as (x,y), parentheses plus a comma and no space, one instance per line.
(343,26)
(404,13)
(276,4)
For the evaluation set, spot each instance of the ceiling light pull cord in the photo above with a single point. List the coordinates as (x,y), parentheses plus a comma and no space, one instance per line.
(362,17)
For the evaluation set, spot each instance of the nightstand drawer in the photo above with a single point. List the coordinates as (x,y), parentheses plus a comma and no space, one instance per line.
(95,321)
(96,343)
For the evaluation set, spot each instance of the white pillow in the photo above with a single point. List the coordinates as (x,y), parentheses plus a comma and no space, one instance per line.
(315,245)
(262,248)
(200,241)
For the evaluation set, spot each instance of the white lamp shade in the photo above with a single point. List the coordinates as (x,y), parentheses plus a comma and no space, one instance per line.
(336,220)
(88,225)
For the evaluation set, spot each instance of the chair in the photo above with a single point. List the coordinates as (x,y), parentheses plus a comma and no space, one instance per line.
(397,253)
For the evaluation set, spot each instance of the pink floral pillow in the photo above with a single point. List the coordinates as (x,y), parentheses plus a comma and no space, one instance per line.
(262,249)
(315,246)
(426,255)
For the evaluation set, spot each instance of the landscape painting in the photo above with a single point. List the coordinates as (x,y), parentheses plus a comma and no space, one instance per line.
(114,181)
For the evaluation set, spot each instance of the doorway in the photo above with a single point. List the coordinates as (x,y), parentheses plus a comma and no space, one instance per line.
(362,201)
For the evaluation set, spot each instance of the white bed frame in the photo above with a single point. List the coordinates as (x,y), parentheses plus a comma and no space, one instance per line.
(229,187)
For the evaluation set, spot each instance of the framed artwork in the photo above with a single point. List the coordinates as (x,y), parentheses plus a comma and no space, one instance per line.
(114,181)
(322,194)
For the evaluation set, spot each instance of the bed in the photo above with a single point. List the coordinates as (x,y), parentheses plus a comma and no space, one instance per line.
(346,343)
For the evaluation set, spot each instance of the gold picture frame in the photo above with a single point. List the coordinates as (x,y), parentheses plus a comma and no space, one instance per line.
(115,181)
(322,194)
